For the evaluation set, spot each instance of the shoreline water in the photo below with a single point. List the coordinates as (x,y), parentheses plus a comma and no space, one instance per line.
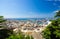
(50,18)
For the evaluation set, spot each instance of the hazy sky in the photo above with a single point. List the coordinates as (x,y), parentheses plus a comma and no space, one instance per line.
(28,8)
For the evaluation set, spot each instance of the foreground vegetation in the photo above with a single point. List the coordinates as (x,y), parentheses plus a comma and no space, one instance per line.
(19,36)
(52,31)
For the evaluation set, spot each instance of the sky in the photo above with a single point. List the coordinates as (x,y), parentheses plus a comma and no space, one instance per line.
(28,8)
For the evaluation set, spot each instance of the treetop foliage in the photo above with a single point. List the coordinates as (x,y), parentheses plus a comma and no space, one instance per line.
(52,31)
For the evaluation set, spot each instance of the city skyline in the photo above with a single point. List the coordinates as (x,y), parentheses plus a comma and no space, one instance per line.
(28,8)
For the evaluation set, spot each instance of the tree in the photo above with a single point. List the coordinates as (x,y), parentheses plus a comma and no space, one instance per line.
(4,33)
(57,14)
(2,20)
(52,31)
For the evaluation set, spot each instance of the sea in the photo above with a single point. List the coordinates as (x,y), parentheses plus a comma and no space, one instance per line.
(29,18)
(26,19)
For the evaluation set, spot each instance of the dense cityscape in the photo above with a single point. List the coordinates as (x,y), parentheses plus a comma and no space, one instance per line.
(28,27)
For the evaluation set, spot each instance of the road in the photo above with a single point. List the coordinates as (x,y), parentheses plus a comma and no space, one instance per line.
(37,35)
